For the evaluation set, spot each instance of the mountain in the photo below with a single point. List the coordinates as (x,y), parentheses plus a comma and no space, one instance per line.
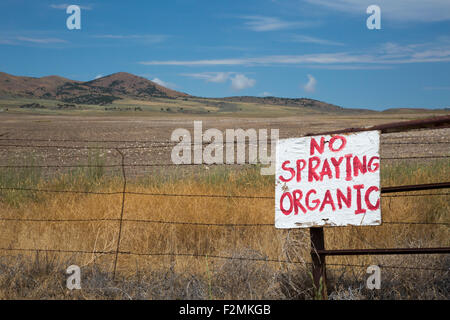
(105,90)
(99,91)
(28,86)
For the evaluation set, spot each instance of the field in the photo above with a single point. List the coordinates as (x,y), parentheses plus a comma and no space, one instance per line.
(217,260)
(159,107)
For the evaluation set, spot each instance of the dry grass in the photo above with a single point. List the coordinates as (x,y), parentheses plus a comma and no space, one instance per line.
(41,275)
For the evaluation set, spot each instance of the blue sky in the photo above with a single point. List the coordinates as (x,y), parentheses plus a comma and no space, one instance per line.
(320,49)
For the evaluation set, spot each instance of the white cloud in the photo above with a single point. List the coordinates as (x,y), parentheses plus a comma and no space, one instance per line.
(266,94)
(41,40)
(320,58)
(314,40)
(349,67)
(240,82)
(387,54)
(395,10)
(98,76)
(262,23)
(311,85)
(29,40)
(217,77)
(163,83)
(264,60)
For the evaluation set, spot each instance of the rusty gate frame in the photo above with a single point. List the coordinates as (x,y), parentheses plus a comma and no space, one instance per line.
(317,238)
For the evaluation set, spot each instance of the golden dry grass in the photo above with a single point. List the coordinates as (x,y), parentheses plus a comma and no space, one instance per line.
(220,278)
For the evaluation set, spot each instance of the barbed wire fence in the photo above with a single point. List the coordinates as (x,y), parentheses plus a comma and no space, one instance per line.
(122,166)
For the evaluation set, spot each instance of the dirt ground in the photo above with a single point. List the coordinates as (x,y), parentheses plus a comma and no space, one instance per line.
(151,136)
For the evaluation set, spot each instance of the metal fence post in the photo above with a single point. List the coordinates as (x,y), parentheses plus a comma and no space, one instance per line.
(318,262)
(122,156)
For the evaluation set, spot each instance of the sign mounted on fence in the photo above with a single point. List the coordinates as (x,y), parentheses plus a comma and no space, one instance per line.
(328,180)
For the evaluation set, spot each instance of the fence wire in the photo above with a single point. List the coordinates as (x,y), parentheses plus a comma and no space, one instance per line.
(124,192)
(213,256)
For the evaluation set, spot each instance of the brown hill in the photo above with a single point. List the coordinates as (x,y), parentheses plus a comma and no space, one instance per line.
(131,85)
(28,86)
(98,91)
(119,85)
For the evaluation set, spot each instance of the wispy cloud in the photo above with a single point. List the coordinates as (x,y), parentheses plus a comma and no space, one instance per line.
(349,67)
(164,83)
(266,60)
(65,5)
(392,54)
(263,23)
(34,39)
(321,58)
(398,10)
(311,85)
(217,77)
(238,80)
(314,40)
(41,40)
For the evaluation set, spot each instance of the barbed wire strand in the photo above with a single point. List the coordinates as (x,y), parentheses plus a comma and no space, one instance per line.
(189,195)
(181,164)
(195,255)
(192,143)
(188,223)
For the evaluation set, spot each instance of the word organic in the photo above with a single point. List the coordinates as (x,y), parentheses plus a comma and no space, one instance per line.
(328,180)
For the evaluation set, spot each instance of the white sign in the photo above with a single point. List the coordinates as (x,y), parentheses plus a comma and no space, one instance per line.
(329,180)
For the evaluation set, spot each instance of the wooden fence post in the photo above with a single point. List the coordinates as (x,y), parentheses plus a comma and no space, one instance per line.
(318,262)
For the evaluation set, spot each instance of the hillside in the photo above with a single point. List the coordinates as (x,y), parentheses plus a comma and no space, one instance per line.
(45,87)
(99,91)
(122,85)
(125,92)
(306,103)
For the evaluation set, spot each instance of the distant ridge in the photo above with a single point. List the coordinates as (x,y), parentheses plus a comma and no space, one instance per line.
(294,102)
(99,91)
(105,90)
(121,85)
